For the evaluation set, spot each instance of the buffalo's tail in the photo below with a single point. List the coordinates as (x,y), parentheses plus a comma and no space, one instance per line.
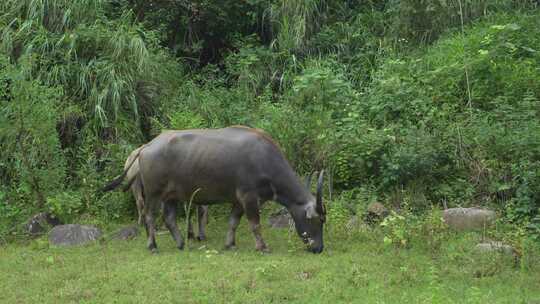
(130,182)
(118,180)
(114,183)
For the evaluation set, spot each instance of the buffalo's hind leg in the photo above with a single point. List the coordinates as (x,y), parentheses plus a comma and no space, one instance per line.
(150,211)
(169,217)
(234,220)
(190,233)
(202,216)
(136,188)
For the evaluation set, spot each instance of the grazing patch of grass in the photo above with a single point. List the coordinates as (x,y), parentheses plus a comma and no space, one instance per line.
(357,266)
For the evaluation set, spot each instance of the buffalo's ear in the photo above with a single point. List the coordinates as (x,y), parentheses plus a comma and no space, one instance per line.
(311,211)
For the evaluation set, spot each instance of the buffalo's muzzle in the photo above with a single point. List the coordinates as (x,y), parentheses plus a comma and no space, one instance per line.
(317,249)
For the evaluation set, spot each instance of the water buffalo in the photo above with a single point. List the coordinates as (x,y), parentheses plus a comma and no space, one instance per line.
(132,167)
(240,165)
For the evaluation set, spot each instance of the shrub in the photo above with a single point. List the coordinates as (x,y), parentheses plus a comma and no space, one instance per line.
(32,160)
(437,134)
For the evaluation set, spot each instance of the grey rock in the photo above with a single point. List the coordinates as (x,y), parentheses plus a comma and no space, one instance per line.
(41,223)
(353,222)
(72,234)
(495,247)
(126,233)
(281,219)
(463,219)
(376,212)
(377,209)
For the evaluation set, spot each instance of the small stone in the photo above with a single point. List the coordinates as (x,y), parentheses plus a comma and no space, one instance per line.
(376,212)
(495,247)
(463,219)
(126,233)
(40,223)
(73,234)
(353,222)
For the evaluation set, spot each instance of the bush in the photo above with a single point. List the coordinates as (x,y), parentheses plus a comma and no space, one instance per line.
(426,130)
(396,99)
(32,164)
(65,205)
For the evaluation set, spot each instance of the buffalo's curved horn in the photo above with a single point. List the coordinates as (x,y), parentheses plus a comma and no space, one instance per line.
(319,191)
(308,180)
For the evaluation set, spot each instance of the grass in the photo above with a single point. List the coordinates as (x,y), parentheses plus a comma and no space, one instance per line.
(356,267)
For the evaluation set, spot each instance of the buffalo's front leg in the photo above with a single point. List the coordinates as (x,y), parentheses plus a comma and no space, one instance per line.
(251,206)
(169,217)
(255,227)
(234,220)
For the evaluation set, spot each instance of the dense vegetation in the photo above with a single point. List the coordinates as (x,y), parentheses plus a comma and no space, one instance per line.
(411,103)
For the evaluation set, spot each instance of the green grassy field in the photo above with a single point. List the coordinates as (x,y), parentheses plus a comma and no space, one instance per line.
(356,267)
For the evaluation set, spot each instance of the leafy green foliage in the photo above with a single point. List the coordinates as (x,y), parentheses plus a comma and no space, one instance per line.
(425,21)
(418,124)
(295,21)
(199,31)
(111,66)
(429,103)
(32,165)
(66,205)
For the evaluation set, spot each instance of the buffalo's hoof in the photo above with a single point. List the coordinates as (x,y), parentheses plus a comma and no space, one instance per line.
(201,238)
(230,247)
(154,250)
(263,249)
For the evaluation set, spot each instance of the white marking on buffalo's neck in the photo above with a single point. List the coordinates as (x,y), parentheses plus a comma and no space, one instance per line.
(311,211)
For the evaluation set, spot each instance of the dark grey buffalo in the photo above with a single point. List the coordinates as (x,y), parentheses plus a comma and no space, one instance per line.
(238,164)
(132,174)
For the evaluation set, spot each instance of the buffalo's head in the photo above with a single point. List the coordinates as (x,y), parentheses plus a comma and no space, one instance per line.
(309,219)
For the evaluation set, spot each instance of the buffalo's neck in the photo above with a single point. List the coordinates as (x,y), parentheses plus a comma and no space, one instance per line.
(291,192)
